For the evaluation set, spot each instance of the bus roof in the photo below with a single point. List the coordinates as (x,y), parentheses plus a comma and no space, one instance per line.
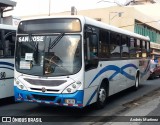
(90,21)
(7,27)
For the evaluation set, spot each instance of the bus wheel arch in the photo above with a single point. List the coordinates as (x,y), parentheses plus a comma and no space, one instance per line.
(102,94)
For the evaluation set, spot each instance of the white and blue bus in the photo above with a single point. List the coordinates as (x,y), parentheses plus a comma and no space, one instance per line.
(76,61)
(7,47)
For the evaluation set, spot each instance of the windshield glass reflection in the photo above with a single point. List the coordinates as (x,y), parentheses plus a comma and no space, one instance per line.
(55,55)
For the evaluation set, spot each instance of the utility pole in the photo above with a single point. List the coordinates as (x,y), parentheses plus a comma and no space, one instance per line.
(49,8)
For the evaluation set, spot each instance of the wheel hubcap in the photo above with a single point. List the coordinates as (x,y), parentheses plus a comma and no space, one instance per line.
(102,95)
(137,82)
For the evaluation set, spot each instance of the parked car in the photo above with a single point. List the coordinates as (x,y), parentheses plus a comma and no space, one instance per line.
(154,70)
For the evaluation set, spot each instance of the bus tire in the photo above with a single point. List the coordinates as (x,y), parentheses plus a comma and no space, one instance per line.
(102,96)
(136,86)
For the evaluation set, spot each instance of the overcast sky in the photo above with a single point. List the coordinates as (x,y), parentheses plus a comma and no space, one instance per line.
(32,7)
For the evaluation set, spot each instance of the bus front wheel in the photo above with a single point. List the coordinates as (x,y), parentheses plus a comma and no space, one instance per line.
(102,96)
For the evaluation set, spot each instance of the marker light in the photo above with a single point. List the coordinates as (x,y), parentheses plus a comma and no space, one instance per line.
(17,82)
(69,90)
(72,88)
(20,85)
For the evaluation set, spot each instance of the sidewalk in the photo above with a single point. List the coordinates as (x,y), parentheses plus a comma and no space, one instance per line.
(150,108)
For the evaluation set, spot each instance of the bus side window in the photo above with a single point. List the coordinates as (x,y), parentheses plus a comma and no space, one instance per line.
(1,52)
(115,42)
(148,48)
(93,46)
(132,48)
(144,50)
(9,44)
(125,47)
(103,44)
(7,48)
(91,50)
(138,48)
(1,44)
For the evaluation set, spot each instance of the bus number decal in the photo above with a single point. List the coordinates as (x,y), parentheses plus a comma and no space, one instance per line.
(2,75)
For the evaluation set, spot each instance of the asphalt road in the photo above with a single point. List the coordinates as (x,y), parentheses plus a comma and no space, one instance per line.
(117,105)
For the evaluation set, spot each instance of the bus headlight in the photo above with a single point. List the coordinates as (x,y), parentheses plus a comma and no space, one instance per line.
(17,82)
(72,88)
(19,85)
(69,90)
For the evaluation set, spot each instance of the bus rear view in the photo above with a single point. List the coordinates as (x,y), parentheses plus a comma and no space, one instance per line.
(48,62)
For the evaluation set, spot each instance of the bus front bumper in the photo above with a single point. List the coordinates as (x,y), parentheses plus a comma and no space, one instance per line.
(71,100)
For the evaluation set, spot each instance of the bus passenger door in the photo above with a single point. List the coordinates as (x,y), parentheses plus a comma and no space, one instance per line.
(91,67)
(91,58)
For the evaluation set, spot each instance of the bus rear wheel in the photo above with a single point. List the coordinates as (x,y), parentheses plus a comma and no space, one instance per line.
(102,96)
(136,86)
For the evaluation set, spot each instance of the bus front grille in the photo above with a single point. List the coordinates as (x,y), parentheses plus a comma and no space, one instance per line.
(45,82)
(47,90)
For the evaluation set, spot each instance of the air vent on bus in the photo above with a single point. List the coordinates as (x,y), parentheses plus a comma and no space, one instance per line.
(45,82)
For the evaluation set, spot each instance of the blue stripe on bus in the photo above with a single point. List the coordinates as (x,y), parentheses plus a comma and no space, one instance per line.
(107,68)
(7,68)
(126,74)
(117,69)
(7,63)
(94,93)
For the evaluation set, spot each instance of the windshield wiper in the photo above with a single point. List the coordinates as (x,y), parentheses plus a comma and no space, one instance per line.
(54,42)
(62,67)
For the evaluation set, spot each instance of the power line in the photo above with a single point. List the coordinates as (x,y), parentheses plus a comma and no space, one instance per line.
(140,23)
(109,2)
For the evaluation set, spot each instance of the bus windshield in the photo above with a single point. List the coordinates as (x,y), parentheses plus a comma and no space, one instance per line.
(49,55)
